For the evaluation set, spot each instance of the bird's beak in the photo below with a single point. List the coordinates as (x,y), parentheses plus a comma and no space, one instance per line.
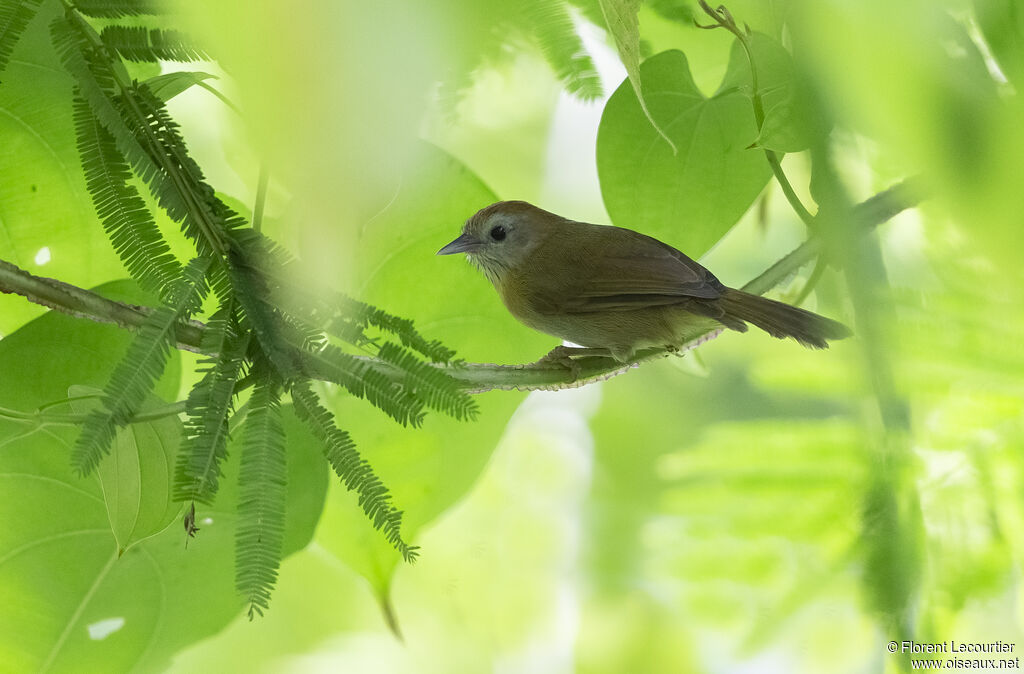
(463,244)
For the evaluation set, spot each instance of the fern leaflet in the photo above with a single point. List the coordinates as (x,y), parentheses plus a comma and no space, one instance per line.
(95,78)
(365,315)
(259,538)
(115,9)
(136,43)
(14,17)
(362,378)
(209,406)
(134,377)
(127,221)
(273,333)
(146,135)
(562,47)
(433,386)
(354,471)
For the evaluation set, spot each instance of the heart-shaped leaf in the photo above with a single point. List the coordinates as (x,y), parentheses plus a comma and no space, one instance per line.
(692,198)
(70,601)
(791,120)
(136,476)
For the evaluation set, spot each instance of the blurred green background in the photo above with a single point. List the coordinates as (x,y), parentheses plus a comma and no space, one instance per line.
(753,507)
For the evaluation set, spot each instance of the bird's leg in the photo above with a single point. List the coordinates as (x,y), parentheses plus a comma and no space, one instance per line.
(567,356)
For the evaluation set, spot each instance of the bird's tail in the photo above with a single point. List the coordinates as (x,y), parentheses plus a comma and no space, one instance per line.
(781,320)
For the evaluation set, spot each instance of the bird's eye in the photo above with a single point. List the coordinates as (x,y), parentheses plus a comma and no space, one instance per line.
(498,233)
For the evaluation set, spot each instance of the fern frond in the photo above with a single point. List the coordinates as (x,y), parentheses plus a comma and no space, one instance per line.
(262,475)
(134,377)
(145,134)
(300,309)
(14,18)
(124,214)
(363,379)
(96,84)
(274,335)
(354,471)
(562,47)
(209,407)
(438,390)
(365,315)
(136,43)
(115,9)
(180,186)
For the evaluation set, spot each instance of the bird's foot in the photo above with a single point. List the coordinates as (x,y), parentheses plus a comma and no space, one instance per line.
(568,357)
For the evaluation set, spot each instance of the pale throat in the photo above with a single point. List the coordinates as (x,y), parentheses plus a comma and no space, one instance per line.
(490,268)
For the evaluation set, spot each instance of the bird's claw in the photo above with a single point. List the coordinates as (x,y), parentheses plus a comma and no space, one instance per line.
(569,357)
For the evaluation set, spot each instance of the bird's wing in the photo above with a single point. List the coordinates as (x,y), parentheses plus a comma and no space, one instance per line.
(636,271)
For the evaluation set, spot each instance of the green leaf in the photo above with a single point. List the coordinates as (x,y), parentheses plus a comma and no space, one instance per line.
(70,603)
(358,315)
(96,79)
(47,222)
(1002,23)
(135,477)
(792,120)
(621,18)
(690,199)
(429,469)
(14,17)
(167,86)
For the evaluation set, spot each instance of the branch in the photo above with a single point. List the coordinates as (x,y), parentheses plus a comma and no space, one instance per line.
(82,303)
(474,377)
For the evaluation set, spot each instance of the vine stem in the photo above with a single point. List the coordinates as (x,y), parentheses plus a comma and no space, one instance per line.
(474,377)
(723,19)
(40,417)
(261,198)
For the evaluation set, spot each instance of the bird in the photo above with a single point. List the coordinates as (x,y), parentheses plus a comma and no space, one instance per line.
(614,291)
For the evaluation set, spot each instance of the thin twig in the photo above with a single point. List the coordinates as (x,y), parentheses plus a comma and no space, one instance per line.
(812,280)
(41,417)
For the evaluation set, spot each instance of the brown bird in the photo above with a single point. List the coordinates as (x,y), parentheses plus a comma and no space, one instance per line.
(614,290)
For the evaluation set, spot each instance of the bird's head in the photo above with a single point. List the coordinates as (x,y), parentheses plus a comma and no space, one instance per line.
(502,236)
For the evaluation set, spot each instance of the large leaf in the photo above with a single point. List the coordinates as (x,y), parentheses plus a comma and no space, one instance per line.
(692,198)
(136,476)
(426,469)
(70,602)
(621,18)
(46,216)
(48,225)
